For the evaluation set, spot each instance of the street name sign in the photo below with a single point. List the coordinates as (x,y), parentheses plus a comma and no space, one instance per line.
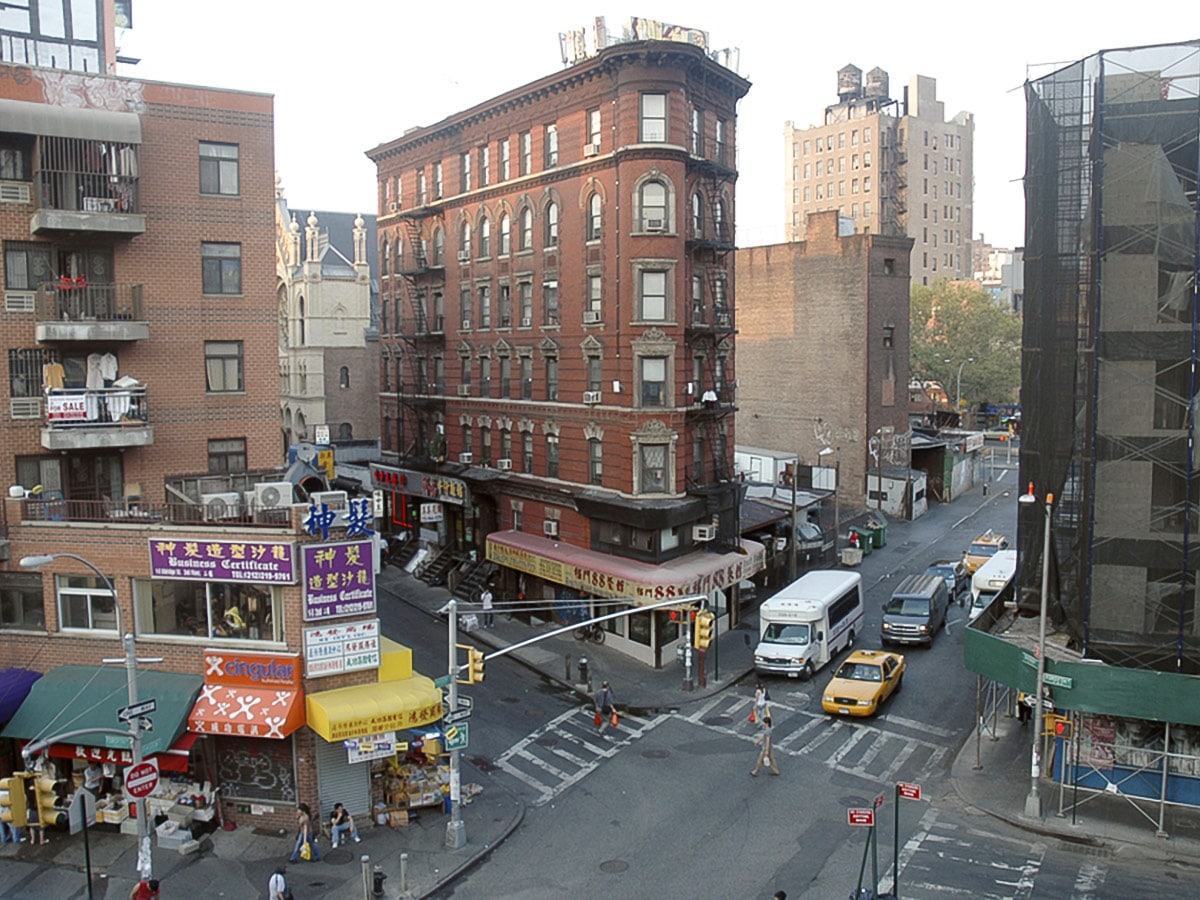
(137,710)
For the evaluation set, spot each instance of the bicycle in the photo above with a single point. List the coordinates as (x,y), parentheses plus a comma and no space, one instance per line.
(590,632)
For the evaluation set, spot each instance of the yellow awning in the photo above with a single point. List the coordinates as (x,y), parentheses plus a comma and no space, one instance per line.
(355,712)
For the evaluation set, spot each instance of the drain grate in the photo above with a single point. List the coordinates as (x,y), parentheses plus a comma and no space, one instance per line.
(338,857)
(1100,852)
(614,866)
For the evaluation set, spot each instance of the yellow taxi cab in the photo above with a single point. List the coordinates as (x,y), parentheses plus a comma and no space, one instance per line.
(984,548)
(863,682)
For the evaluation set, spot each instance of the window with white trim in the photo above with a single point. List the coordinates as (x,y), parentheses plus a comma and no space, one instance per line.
(653,118)
(85,602)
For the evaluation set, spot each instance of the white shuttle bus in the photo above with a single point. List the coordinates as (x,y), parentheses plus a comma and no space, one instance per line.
(805,625)
(990,580)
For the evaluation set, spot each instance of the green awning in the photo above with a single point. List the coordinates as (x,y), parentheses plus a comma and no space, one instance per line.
(70,698)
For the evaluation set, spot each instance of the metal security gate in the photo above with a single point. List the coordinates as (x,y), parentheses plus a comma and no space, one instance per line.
(339,781)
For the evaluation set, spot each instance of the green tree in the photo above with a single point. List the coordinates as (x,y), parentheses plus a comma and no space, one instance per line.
(951,322)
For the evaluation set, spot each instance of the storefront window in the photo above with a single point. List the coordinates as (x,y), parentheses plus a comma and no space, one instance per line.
(668,629)
(21,601)
(208,610)
(639,628)
(249,769)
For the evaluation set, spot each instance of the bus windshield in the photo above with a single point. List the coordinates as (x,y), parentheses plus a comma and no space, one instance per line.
(786,633)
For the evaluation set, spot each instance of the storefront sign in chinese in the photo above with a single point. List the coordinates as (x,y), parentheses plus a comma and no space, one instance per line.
(261,562)
(339,580)
(420,484)
(373,746)
(333,649)
(430,513)
(245,669)
(385,721)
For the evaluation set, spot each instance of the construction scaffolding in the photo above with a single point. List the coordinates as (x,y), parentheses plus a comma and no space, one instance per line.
(1109,368)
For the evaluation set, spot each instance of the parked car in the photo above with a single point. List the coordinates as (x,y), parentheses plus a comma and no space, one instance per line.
(954,573)
(984,548)
(863,682)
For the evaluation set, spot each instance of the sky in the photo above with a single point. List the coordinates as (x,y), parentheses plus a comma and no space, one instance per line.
(349,76)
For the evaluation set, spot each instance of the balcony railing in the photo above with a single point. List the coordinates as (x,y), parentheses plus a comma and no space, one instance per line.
(52,509)
(80,300)
(82,408)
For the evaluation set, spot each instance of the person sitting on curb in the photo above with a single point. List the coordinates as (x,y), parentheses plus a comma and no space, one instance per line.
(340,823)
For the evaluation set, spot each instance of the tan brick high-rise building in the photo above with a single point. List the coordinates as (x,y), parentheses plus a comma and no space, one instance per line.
(892,166)
(558,334)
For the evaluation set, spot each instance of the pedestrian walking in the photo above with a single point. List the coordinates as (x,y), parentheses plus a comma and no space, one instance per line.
(341,822)
(486,599)
(10,833)
(760,702)
(146,889)
(605,707)
(305,836)
(277,888)
(765,755)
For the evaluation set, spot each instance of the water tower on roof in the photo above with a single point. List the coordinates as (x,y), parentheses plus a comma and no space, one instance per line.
(877,85)
(849,83)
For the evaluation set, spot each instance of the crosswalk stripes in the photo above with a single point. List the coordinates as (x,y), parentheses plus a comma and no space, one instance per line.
(566,749)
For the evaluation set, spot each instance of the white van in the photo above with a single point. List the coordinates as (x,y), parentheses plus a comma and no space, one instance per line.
(990,579)
(805,625)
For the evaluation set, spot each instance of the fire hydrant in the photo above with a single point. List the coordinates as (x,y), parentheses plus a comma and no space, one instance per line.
(378,877)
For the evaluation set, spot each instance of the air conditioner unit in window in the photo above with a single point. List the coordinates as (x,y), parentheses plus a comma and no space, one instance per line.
(466,458)
(466,324)
(655,225)
(704,532)
(550,528)
(226,505)
(591,396)
(504,465)
(591,149)
(464,256)
(591,317)
(392,206)
(526,321)
(336,500)
(272,495)
(464,390)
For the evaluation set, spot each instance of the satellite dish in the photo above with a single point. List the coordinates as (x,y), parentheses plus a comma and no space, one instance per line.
(306,452)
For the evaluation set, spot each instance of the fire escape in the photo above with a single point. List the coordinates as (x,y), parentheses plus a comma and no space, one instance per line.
(893,188)
(418,294)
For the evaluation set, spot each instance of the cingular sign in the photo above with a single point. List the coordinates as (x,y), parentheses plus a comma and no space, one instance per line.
(339,580)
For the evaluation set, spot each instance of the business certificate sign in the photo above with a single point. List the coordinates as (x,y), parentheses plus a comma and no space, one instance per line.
(339,580)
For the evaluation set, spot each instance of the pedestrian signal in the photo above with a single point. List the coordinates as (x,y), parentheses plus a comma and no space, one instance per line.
(13,809)
(702,630)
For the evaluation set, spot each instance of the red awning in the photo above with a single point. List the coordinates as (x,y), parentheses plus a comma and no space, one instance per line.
(247,712)
(614,576)
(173,759)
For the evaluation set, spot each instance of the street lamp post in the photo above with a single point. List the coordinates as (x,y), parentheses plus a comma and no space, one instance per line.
(130,659)
(837,487)
(1033,802)
(958,383)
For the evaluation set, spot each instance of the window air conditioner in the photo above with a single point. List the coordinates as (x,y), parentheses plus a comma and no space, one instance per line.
(466,324)
(550,528)
(590,150)
(466,458)
(464,256)
(336,500)
(655,225)
(526,321)
(392,206)
(464,390)
(221,506)
(704,532)
(591,396)
(504,465)
(272,495)
(591,317)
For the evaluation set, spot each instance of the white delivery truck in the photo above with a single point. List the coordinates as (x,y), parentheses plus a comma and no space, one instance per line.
(990,580)
(805,625)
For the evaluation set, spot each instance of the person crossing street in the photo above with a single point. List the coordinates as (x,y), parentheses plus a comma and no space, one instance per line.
(765,755)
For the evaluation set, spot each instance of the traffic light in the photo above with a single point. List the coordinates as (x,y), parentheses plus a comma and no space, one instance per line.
(474,666)
(47,801)
(1057,726)
(702,629)
(13,809)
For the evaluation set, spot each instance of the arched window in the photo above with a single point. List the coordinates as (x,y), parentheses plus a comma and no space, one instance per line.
(344,377)
(345,432)
(594,218)
(697,215)
(439,248)
(485,238)
(552,225)
(505,235)
(464,241)
(398,255)
(526,229)
(654,206)
(385,250)
(719,220)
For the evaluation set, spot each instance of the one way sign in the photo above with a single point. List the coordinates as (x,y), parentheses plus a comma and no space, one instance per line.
(137,710)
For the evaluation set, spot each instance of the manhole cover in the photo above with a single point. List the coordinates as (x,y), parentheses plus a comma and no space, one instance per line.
(614,866)
(656,754)
(483,763)
(717,720)
(338,857)
(546,742)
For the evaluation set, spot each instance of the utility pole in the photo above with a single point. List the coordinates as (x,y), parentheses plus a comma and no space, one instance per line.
(456,829)
(792,536)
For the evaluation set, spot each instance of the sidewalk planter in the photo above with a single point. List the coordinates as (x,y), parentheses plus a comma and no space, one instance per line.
(851,556)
